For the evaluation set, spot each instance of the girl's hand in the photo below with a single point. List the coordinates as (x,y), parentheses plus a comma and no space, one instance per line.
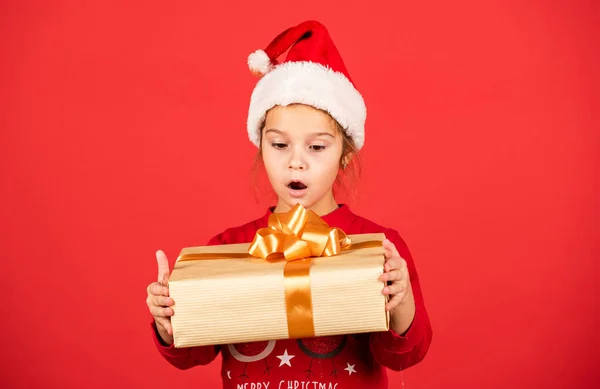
(158,301)
(396,276)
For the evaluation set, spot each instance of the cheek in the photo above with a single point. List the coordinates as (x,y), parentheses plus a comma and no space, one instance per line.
(329,168)
(270,162)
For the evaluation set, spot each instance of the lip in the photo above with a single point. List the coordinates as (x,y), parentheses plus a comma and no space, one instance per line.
(297,192)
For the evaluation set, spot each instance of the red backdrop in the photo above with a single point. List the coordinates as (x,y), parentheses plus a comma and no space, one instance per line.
(119,119)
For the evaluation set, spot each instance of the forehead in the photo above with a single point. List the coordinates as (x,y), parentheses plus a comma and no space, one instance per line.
(299,119)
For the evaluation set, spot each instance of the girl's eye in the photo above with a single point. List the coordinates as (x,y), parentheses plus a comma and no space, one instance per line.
(317,147)
(279,146)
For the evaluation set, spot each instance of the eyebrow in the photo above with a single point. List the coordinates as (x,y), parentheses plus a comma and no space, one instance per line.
(273,130)
(314,134)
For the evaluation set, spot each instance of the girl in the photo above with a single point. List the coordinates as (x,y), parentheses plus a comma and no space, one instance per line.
(307,120)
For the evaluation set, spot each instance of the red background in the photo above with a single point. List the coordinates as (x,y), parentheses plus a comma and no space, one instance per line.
(119,119)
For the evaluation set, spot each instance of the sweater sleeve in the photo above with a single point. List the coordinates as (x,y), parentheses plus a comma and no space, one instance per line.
(187,357)
(184,358)
(399,352)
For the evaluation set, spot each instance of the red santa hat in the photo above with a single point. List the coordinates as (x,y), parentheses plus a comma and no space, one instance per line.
(313,73)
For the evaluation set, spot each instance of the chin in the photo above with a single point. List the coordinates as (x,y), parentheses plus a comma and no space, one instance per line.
(290,201)
(306,203)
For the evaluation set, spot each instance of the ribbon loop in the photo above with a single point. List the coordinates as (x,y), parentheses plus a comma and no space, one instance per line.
(296,235)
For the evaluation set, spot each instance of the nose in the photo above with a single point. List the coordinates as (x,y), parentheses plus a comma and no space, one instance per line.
(296,162)
(296,165)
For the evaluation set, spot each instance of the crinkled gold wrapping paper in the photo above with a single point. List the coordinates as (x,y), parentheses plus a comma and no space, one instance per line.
(238,300)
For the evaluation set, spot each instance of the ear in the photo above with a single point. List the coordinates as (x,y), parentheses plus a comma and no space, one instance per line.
(346,160)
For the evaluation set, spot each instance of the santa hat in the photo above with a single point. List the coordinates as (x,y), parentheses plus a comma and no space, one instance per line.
(313,73)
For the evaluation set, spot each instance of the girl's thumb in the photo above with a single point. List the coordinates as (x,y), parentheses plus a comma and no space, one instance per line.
(163,267)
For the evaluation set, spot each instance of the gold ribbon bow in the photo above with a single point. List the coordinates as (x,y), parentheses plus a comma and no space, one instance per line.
(297,236)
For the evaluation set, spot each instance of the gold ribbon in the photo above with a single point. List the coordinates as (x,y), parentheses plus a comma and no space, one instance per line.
(296,237)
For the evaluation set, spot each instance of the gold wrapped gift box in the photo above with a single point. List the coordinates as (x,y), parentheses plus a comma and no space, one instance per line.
(241,293)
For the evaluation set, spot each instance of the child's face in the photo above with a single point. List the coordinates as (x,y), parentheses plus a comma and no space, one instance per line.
(301,150)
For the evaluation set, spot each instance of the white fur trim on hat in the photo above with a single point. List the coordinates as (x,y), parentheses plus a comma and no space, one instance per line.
(259,62)
(311,84)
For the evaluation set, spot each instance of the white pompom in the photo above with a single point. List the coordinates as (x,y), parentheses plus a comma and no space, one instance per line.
(259,62)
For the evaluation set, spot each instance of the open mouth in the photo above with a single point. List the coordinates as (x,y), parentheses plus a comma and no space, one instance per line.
(297,185)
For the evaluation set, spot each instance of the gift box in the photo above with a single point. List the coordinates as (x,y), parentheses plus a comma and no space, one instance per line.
(299,278)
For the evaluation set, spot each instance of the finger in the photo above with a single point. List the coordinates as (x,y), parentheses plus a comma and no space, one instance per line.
(395,301)
(162,301)
(163,267)
(388,249)
(394,275)
(395,263)
(161,312)
(164,323)
(157,289)
(392,264)
(394,289)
